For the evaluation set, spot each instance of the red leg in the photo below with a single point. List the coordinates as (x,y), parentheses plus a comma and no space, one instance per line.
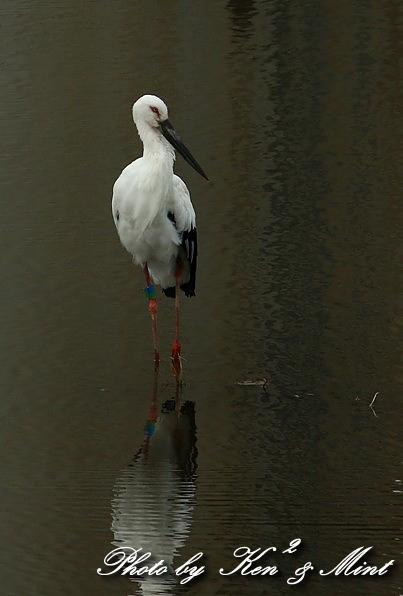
(176,347)
(152,309)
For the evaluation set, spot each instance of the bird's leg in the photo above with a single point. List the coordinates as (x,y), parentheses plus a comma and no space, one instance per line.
(152,309)
(176,347)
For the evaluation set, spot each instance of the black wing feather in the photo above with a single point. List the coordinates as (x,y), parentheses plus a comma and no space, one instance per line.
(189,248)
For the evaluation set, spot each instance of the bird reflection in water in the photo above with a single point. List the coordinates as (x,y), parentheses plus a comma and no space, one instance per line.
(155,495)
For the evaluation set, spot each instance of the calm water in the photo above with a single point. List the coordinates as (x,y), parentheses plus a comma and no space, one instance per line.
(295,111)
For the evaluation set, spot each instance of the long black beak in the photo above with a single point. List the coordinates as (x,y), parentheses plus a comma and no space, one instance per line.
(172,137)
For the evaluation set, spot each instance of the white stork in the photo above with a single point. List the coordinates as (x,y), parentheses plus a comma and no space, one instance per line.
(154,215)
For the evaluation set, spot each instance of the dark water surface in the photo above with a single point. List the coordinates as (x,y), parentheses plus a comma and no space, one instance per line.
(295,111)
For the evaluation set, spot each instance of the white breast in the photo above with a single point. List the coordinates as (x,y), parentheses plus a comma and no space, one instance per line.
(140,205)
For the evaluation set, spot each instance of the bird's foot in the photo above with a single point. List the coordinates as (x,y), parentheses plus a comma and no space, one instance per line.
(175,350)
(176,358)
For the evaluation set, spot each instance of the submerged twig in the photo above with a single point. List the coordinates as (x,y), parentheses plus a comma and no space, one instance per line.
(373,399)
(372,403)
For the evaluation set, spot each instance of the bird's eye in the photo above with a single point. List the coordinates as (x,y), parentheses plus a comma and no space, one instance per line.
(155,110)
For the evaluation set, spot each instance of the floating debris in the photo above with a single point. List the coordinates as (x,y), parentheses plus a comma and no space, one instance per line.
(252,383)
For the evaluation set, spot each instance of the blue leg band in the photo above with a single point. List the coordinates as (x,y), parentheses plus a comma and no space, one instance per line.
(150,292)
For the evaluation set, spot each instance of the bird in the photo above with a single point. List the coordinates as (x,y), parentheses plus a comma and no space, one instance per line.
(154,215)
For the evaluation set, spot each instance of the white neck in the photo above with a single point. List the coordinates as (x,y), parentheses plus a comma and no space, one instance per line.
(154,143)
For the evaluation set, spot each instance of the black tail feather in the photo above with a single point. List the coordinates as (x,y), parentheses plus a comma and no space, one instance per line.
(170,292)
(189,246)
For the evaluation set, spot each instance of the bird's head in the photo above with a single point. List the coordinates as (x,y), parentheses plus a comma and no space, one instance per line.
(151,110)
